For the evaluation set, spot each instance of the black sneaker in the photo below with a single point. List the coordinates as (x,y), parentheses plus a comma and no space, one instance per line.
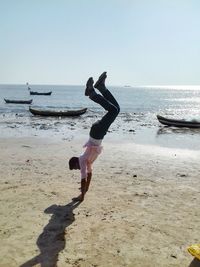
(101,80)
(89,86)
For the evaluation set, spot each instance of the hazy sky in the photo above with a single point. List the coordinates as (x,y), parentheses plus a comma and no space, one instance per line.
(139,42)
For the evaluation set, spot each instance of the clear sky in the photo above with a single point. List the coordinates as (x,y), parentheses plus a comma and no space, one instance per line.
(139,42)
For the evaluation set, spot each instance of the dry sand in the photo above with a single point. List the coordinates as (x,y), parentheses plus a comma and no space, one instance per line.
(142,210)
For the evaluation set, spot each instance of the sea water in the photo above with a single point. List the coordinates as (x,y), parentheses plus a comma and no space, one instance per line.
(137,119)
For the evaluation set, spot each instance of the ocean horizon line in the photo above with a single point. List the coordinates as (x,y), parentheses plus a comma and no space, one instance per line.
(176,87)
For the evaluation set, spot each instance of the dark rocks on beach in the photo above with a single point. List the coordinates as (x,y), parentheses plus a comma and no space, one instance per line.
(12,126)
(57,123)
(173,256)
(181,175)
(44,127)
(128,120)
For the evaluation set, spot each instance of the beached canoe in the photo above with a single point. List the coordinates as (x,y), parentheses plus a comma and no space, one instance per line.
(18,101)
(178,123)
(40,93)
(55,112)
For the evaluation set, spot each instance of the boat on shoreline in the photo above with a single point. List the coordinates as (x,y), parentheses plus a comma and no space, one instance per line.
(40,93)
(178,123)
(57,113)
(9,101)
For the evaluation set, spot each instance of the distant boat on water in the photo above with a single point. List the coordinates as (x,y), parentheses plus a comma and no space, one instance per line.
(39,93)
(9,101)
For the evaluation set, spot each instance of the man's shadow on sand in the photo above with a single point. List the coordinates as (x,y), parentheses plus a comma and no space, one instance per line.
(195,263)
(52,240)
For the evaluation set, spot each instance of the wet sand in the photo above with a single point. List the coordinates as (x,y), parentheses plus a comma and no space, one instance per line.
(139,128)
(142,208)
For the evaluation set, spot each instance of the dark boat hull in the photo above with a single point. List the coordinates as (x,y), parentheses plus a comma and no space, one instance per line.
(8,101)
(56,113)
(40,93)
(178,123)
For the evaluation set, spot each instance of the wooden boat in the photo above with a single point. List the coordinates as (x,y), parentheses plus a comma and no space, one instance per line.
(40,93)
(48,112)
(18,101)
(178,123)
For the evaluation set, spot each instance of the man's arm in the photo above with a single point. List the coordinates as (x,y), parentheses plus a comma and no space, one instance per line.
(83,168)
(89,176)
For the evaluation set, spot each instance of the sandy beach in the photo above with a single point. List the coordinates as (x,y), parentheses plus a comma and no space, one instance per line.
(142,208)
(57,58)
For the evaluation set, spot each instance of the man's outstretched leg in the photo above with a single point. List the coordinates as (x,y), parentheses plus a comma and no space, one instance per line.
(100,85)
(107,101)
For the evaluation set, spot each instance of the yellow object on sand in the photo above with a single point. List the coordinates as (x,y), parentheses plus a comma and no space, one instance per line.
(195,250)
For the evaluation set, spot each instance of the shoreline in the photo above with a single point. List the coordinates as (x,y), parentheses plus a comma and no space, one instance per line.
(161,138)
(141,209)
(138,128)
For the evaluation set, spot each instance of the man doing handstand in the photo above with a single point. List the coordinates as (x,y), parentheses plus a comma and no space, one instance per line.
(97,131)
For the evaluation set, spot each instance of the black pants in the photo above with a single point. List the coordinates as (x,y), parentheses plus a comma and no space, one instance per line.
(109,103)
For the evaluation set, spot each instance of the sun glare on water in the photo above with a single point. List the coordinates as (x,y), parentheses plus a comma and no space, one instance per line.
(175,87)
